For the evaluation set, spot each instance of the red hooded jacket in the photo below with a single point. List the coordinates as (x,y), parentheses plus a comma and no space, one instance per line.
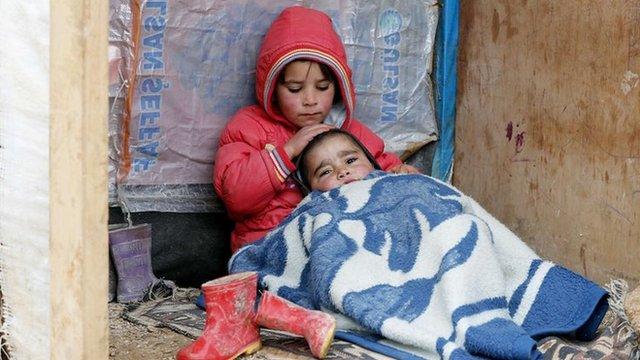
(251,171)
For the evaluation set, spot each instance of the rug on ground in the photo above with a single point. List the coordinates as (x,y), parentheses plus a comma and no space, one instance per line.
(181,315)
(615,340)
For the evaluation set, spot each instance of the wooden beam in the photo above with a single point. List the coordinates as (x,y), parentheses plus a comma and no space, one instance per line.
(78,179)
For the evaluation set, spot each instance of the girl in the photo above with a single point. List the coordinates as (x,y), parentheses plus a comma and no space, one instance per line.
(303,88)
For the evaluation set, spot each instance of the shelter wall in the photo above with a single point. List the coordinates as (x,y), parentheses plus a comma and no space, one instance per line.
(548,127)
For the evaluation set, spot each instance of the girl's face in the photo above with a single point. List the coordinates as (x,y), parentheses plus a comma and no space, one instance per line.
(305,97)
(335,162)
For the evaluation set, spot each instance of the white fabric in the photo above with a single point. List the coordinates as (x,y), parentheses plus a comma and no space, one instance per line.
(24,177)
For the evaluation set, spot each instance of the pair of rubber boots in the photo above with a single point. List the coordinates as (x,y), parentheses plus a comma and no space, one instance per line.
(232,322)
(130,250)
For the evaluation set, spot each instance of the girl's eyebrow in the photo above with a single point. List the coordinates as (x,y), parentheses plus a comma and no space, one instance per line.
(298,82)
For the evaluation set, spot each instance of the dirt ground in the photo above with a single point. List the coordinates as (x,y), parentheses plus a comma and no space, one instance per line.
(129,341)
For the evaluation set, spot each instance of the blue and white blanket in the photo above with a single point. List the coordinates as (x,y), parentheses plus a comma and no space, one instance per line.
(414,261)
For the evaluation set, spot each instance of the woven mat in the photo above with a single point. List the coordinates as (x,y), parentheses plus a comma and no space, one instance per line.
(182,316)
(615,341)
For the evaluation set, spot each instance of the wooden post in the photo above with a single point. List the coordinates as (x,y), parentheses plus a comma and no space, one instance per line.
(78,179)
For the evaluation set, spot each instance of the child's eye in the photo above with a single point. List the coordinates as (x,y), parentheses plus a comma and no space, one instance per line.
(351,160)
(324,172)
(323,86)
(294,89)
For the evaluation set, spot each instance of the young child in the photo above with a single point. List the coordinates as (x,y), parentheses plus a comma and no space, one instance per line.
(332,159)
(303,88)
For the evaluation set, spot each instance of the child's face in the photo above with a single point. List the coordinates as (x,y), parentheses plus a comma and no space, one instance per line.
(306,95)
(335,162)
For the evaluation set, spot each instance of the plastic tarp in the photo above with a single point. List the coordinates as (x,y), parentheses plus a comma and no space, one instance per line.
(120,52)
(192,67)
(445,78)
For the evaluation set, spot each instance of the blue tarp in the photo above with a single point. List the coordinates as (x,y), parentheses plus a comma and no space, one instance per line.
(445,88)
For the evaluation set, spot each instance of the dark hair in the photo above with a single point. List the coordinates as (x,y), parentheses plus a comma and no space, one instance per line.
(325,70)
(300,175)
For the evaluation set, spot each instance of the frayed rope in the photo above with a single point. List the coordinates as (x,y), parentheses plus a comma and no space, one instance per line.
(4,346)
(159,289)
(618,290)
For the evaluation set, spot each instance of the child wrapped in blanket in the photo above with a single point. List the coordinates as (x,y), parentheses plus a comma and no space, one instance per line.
(333,159)
(415,261)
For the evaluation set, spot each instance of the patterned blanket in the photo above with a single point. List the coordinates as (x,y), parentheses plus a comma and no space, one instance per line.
(414,262)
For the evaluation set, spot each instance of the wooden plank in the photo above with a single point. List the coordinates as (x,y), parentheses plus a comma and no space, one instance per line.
(548,131)
(78,174)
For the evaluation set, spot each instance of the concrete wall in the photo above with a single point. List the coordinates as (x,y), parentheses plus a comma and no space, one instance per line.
(548,126)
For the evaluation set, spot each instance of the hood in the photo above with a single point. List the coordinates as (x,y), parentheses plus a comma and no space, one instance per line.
(301,33)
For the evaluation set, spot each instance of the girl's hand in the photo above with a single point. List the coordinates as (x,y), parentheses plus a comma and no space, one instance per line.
(294,146)
(404,169)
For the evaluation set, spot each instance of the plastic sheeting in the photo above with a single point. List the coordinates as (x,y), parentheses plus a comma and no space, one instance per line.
(120,52)
(24,178)
(446,77)
(194,67)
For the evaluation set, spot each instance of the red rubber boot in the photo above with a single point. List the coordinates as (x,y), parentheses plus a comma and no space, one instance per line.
(317,327)
(229,329)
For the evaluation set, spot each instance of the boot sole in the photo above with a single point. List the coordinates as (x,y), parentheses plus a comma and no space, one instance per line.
(250,349)
(327,342)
